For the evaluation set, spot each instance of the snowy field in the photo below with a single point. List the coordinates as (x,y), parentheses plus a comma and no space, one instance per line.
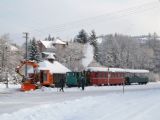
(139,102)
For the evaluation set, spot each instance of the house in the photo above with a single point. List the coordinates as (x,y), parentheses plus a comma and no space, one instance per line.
(58,43)
(14,48)
(50,46)
(57,69)
(46,46)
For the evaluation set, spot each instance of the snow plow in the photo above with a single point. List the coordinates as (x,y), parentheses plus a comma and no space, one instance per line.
(36,79)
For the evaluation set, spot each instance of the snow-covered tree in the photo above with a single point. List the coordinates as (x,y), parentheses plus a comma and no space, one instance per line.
(71,56)
(82,37)
(93,41)
(34,51)
(49,38)
(124,51)
(9,59)
(156,50)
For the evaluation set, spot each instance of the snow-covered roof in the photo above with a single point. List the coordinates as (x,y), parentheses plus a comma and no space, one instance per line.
(50,56)
(48,53)
(54,67)
(47,44)
(104,69)
(58,41)
(136,71)
(13,48)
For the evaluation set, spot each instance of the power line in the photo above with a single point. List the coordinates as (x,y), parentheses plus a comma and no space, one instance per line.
(103,18)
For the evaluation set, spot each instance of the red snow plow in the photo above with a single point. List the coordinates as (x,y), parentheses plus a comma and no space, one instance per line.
(36,79)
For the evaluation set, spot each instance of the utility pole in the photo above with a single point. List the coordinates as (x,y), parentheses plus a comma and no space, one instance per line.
(6,49)
(3,57)
(108,76)
(26,58)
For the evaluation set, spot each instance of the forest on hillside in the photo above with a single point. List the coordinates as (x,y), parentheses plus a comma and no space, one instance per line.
(114,50)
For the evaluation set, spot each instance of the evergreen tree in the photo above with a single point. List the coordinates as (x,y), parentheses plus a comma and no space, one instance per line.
(93,37)
(49,38)
(34,51)
(93,41)
(82,37)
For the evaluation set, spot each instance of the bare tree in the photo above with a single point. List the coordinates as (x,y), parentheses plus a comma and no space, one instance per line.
(71,56)
(9,59)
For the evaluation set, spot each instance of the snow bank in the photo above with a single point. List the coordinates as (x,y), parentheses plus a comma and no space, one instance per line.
(88,54)
(12,88)
(129,106)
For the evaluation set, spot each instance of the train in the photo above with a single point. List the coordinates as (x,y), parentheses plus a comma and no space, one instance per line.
(108,76)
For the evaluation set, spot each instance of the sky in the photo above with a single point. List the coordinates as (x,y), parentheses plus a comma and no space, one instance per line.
(65,18)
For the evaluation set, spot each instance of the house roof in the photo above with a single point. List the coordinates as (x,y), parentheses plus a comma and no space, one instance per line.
(136,71)
(54,67)
(51,56)
(13,48)
(48,53)
(58,41)
(47,44)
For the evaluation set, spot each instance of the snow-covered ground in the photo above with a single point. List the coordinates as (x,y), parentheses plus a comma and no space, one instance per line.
(95,103)
(88,54)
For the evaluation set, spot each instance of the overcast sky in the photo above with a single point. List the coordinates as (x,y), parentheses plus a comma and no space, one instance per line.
(64,18)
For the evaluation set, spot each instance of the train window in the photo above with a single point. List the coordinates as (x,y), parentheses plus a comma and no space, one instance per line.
(96,74)
(111,75)
(117,75)
(120,75)
(105,75)
(101,75)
